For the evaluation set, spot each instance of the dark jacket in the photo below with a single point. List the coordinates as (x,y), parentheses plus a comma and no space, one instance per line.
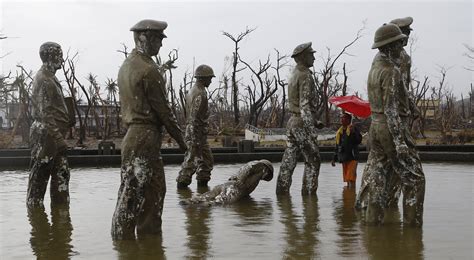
(348,147)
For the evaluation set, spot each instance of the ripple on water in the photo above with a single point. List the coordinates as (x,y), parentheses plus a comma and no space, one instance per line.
(262,226)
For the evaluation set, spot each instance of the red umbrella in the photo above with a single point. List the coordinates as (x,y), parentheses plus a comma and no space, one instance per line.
(352,104)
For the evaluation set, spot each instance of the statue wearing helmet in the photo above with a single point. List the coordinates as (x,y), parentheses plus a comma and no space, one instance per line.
(198,158)
(391,150)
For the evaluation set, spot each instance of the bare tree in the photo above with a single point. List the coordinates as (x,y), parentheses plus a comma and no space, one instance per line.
(124,50)
(96,102)
(23,83)
(471,102)
(328,73)
(281,61)
(183,90)
(112,89)
(263,87)
(235,58)
(470,55)
(6,94)
(419,98)
(445,115)
(69,71)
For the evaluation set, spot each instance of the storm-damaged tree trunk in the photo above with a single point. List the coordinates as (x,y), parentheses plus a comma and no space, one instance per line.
(328,72)
(69,71)
(445,114)
(183,90)
(263,87)
(23,120)
(419,98)
(166,70)
(112,89)
(95,99)
(281,62)
(235,59)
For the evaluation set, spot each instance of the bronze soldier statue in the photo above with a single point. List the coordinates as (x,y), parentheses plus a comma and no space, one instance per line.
(238,186)
(49,129)
(198,158)
(145,110)
(392,148)
(409,108)
(301,128)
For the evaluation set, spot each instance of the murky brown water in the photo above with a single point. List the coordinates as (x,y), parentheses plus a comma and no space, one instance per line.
(262,227)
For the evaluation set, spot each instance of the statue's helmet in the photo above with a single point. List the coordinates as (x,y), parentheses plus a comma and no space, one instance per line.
(386,34)
(150,25)
(204,71)
(301,48)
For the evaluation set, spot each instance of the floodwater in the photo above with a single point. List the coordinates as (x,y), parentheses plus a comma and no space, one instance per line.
(261,227)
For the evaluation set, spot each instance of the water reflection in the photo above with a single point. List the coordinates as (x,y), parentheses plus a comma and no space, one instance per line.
(392,240)
(345,216)
(51,241)
(253,213)
(144,247)
(300,230)
(198,224)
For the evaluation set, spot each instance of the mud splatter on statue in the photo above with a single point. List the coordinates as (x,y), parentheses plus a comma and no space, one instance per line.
(393,152)
(239,186)
(198,158)
(145,110)
(48,131)
(301,128)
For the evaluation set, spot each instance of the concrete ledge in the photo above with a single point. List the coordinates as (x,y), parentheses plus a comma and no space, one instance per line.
(233,150)
(75,161)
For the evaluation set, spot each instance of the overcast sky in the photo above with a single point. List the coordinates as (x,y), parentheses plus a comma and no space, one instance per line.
(96,30)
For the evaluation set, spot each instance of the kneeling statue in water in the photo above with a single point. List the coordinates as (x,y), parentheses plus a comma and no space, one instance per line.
(237,187)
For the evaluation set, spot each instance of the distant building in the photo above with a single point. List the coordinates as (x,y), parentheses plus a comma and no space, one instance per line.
(100,111)
(431,107)
(279,134)
(9,114)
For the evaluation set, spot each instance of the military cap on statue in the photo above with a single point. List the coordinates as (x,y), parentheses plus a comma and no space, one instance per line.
(301,48)
(150,25)
(403,22)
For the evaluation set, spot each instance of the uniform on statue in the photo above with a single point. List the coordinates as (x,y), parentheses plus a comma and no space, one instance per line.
(48,132)
(198,158)
(392,152)
(301,128)
(145,111)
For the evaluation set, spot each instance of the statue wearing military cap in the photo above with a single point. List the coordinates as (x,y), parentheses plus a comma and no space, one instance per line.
(392,154)
(198,158)
(403,22)
(145,111)
(407,105)
(150,25)
(301,48)
(301,128)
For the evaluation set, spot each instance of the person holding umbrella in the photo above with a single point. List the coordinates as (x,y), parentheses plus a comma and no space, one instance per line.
(348,138)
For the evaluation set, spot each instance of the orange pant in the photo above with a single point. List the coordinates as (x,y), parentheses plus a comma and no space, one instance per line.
(349,171)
